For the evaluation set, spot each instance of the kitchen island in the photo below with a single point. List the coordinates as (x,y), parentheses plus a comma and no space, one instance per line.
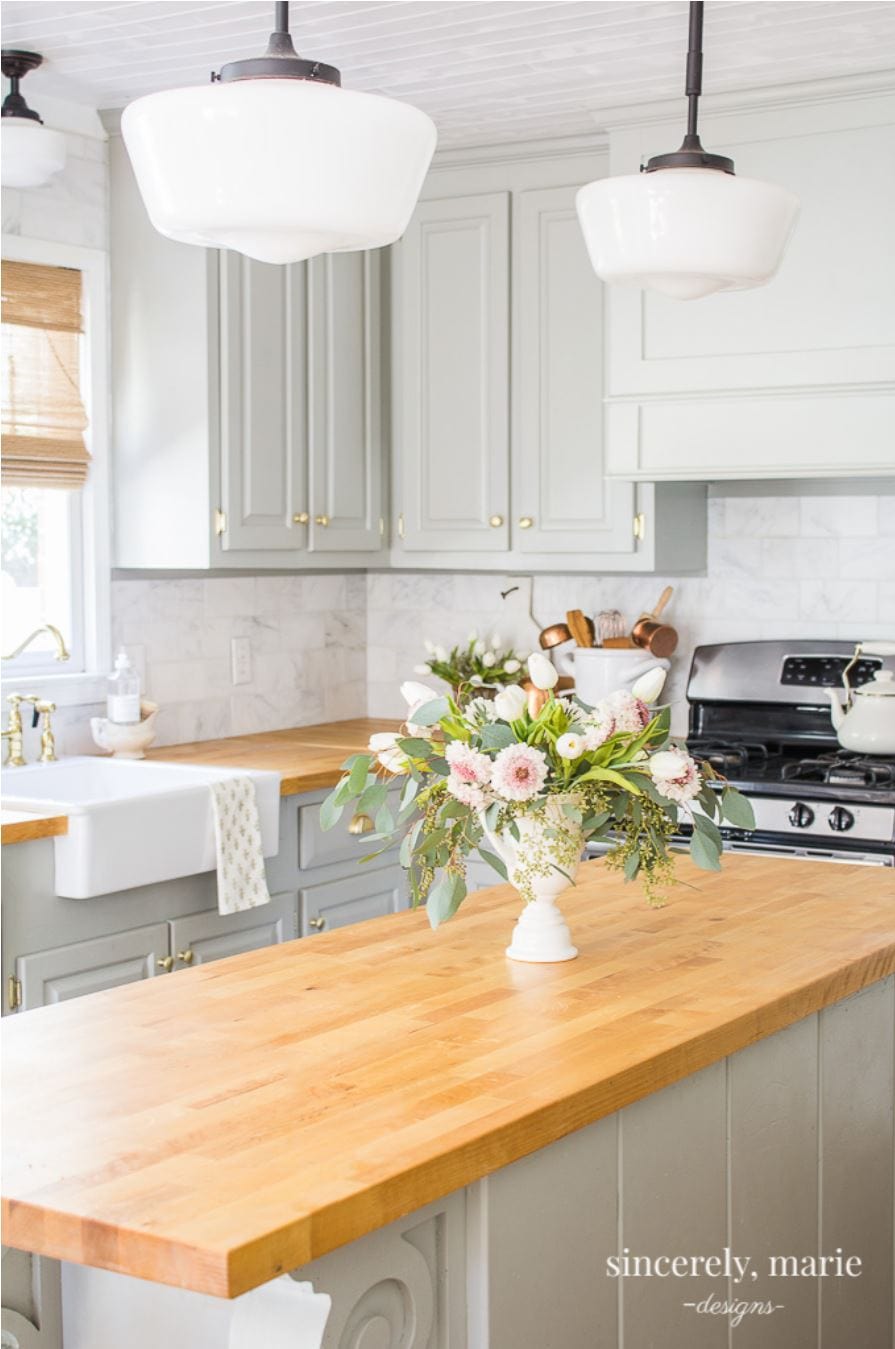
(447,1148)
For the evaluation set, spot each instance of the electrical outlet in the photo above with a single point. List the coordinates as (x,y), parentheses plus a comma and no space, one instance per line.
(241,660)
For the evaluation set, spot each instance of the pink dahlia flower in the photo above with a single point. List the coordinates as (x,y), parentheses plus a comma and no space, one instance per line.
(630,714)
(519,772)
(467,764)
(469,793)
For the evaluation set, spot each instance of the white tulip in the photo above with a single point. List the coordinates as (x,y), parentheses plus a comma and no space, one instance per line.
(476,679)
(495,640)
(570,746)
(479,648)
(543,673)
(382,740)
(489,659)
(510,703)
(648,687)
(473,636)
(440,653)
(422,669)
(417,695)
(511,666)
(430,646)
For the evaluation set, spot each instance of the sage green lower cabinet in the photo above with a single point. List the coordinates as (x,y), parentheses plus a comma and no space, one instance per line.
(203,937)
(89,966)
(368,894)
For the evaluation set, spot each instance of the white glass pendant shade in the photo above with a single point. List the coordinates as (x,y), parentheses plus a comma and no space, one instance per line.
(30,153)
(686,232)
(278,169)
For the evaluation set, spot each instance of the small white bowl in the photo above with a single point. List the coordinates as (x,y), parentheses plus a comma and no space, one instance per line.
(126,742)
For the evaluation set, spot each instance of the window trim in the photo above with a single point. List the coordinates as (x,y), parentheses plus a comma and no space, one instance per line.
(89,684)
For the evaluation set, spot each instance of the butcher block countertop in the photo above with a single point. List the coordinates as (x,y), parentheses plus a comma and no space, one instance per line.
(308,757)
(20,826)
(215,1127)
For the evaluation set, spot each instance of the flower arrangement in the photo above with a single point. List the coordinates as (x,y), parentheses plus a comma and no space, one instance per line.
(478,664)
(525,779)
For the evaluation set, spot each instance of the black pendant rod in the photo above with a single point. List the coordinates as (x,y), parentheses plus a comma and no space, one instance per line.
(694,65)
(281,16)
(691,154)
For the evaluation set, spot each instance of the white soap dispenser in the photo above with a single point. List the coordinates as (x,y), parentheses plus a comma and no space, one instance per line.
(123,698)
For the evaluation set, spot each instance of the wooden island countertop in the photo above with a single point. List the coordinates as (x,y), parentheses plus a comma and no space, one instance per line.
(217,1127)
(22,826)
(308,758)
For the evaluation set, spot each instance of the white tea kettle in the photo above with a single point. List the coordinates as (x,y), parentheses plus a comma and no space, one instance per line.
(867,722)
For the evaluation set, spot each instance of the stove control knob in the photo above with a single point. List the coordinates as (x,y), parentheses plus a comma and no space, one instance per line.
(801,816)
(840,819)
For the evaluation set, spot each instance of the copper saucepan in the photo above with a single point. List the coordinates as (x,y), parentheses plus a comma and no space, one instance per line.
(659,639)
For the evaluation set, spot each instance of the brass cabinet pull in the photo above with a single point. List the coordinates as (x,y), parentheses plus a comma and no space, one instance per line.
(167,964)
(496,521)
(301,518)
(185,956)
(525,522)
(322,521)
(318,924)
(360,824)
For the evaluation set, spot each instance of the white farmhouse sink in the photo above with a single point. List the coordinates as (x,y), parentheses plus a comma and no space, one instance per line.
(132,823)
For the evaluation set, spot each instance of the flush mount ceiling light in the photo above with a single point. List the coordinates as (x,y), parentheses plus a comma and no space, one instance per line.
(31,152)
(686,226)
(276,160)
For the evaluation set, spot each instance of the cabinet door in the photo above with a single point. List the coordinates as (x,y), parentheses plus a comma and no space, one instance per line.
(264,403)
(88,966)
(369,894)
(557,430)
(452,375)
(345,318)
(202,937)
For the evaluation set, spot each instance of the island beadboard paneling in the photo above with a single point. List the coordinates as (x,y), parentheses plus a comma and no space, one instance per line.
(320,1090)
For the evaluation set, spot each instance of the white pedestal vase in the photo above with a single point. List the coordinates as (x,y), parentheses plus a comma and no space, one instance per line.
(540,864)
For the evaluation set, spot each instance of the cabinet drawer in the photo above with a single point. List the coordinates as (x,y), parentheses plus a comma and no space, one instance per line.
(319,849)
(338,903)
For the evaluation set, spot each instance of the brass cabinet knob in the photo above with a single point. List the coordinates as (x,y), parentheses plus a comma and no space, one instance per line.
(322,521)
(360,824)
(301,518)
(496,521)
(525,522)
(318,924)
(185,956)
(167,964)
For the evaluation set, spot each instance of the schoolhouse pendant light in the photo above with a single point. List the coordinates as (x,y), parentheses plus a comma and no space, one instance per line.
(686,226)
(31,153)
(276,160)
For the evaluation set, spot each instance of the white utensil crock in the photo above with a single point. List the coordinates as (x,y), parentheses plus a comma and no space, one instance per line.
(599,671)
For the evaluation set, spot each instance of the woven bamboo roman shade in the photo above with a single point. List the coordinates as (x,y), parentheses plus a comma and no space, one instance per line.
(43,415)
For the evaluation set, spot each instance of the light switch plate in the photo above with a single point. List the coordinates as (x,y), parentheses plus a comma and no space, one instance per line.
(241,660)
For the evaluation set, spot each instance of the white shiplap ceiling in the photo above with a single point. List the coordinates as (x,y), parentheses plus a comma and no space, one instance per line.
(485,70)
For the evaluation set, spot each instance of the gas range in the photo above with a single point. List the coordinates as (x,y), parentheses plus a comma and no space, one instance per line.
(760,715)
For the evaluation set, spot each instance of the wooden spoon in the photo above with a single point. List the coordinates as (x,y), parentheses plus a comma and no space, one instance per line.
(581,628)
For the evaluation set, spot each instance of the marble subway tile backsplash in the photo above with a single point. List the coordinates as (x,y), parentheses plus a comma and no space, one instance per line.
(307,641)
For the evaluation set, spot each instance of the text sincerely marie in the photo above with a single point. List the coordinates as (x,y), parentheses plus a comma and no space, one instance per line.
(730,1266)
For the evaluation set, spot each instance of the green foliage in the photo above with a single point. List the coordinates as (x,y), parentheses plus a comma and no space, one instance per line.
(607,792)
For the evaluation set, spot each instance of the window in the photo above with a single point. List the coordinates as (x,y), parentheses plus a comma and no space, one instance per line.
(54,537)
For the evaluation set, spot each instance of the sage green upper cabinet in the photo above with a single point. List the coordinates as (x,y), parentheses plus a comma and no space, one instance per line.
(497,381)
(563,502)
(345,342)
(246,401)
(451,404)
(795,378)
(264,403)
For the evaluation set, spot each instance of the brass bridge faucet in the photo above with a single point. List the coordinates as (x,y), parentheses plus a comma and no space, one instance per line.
(15,757)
